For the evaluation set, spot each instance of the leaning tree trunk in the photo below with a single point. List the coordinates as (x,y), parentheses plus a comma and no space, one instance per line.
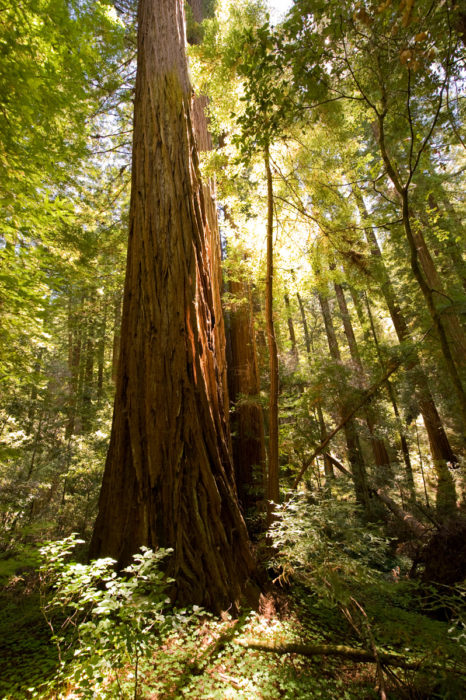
(441,451)
(454,248)
(452,355)
(453,360)
(391,393)
(168,478)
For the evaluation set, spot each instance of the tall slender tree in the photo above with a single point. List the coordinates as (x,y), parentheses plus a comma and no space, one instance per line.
(328,467)
(355,456)
(442,453)
(379,449)
(273,483)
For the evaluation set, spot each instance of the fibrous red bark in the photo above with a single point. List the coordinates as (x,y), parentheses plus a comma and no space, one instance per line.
(168,478)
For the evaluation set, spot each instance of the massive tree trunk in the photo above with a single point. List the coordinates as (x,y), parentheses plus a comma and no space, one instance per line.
(203,137)
(168,478)
(241,380)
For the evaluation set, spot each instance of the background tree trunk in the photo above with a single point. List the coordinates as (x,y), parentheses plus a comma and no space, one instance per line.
(391,393)
(116,335)
(247,421)
(328,466)
(379,450)
(355,457)
(294,356)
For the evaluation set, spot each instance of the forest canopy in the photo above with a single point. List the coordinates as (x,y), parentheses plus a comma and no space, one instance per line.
(232,348)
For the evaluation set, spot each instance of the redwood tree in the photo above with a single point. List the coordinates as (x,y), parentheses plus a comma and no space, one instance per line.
(168,478)
(247,420)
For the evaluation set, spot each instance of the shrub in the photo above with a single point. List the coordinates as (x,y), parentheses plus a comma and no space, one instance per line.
(102,622)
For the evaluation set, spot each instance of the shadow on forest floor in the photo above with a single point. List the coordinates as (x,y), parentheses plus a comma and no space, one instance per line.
(28,657)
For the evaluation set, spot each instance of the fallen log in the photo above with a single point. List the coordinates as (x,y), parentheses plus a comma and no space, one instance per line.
(341,650)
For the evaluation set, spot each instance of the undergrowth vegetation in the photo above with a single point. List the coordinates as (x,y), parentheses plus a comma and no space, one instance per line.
(340,588)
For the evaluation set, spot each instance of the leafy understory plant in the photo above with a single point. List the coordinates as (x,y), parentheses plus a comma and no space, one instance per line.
(102,623)
(326,546)
(326,542)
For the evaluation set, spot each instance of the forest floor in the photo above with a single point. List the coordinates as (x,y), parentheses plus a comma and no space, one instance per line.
(209,657)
